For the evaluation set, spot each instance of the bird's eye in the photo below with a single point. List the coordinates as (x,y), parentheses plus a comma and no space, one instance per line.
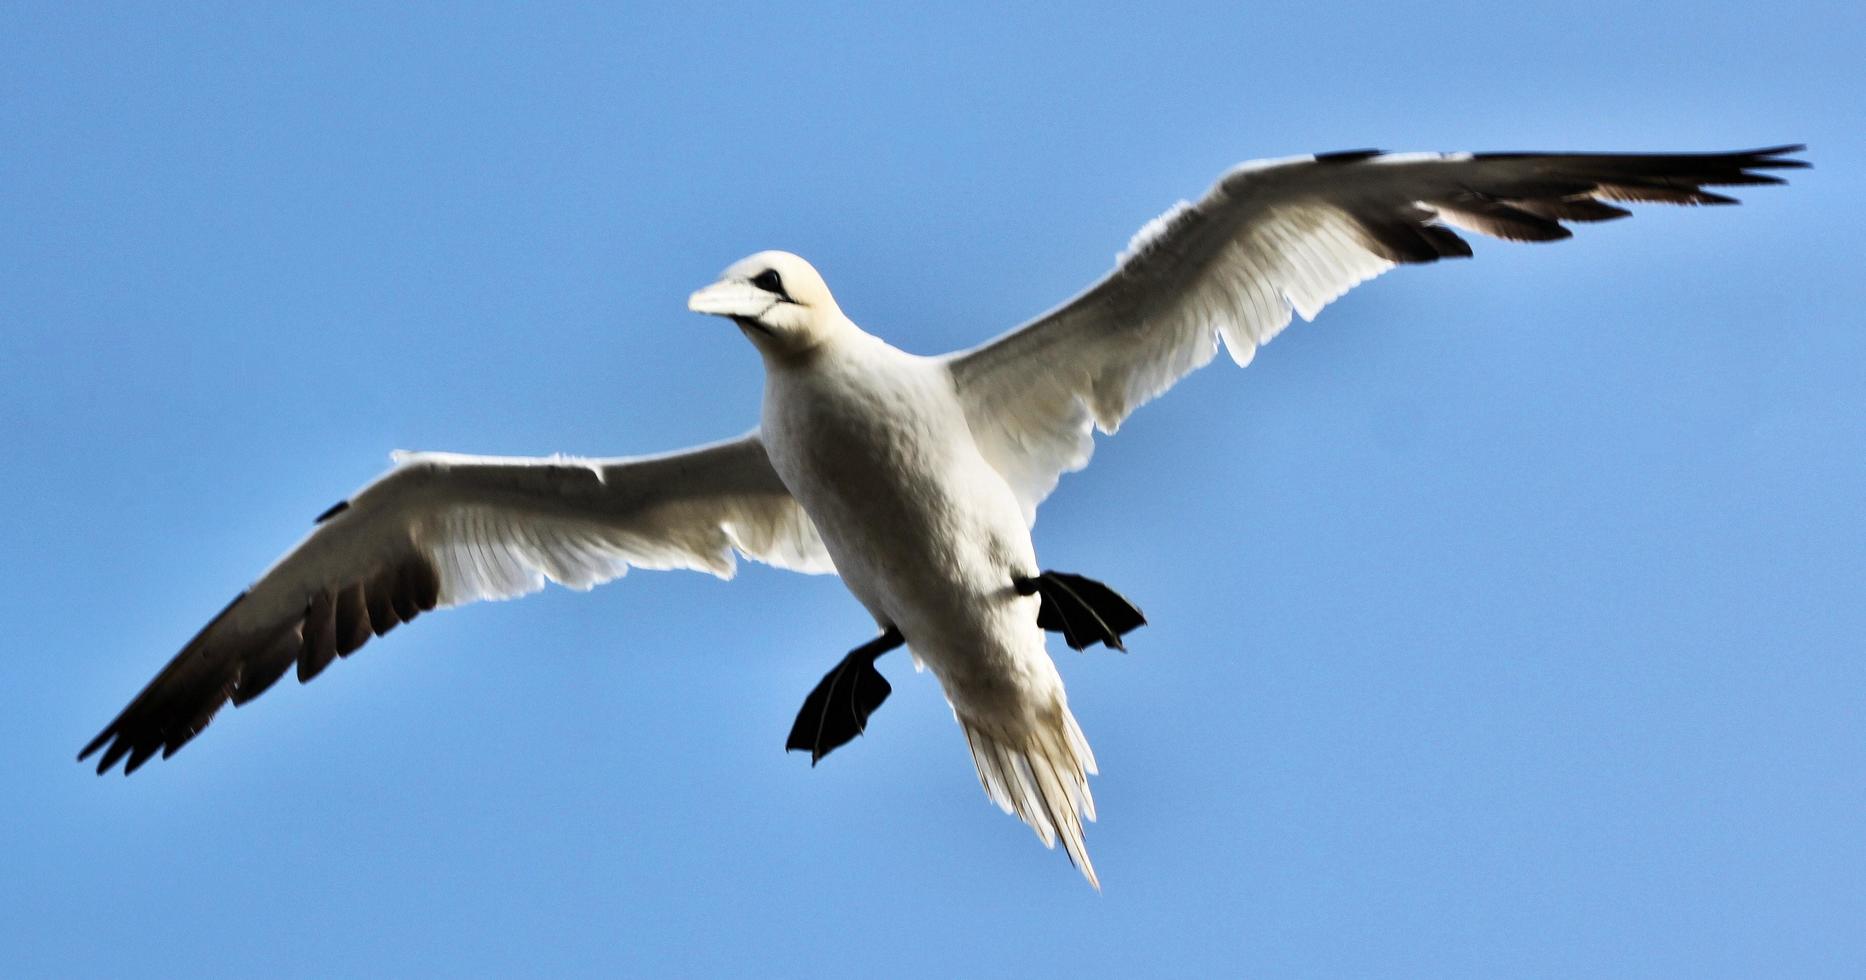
(769,282)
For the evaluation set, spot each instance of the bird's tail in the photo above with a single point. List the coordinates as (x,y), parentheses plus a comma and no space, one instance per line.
(1040,774)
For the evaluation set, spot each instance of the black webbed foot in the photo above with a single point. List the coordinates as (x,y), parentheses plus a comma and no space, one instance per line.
(838,709)
(1083,610)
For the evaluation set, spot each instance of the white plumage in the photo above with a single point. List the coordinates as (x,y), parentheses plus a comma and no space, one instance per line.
(916,479)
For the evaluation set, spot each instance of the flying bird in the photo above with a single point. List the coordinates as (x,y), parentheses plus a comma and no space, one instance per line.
(916,479)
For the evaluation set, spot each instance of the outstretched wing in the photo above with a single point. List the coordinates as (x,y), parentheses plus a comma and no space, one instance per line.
(1274,237)
(443,530)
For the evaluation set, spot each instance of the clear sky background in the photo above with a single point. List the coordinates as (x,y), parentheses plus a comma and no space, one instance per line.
(1506,621)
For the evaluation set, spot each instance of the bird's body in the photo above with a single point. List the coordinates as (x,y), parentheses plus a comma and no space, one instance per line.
(874,445)
(916,479)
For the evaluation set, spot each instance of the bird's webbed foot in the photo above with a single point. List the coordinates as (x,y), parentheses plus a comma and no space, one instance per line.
(838,709)
(1083,610)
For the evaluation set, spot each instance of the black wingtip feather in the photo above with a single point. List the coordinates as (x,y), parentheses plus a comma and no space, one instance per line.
(1348,156)
(140,754)
(96,743)
(220,666)
(1763,156)
(1449,245)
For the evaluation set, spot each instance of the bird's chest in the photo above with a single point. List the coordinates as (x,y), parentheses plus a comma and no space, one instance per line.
(860,451)
(884,465)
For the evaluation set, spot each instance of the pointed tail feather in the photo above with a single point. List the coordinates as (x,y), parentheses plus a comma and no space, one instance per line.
(1042,776)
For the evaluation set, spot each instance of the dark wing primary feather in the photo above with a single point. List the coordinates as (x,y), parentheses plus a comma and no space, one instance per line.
(1277,237)
(442,530)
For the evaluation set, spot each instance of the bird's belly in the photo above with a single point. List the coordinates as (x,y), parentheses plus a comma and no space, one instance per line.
(923,559)
(923,531)
(915,530)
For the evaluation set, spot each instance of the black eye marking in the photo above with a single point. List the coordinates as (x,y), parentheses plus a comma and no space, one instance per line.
(769,282)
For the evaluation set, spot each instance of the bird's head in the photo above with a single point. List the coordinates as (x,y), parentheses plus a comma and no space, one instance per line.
(778,300)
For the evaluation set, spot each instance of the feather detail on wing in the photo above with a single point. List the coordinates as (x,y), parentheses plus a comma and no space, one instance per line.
(441,530)
(1273,239)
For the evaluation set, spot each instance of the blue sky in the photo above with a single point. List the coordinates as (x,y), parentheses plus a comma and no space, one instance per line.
(1505,621)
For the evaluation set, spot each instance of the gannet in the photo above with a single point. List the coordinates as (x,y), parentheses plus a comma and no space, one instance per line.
(916,479)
